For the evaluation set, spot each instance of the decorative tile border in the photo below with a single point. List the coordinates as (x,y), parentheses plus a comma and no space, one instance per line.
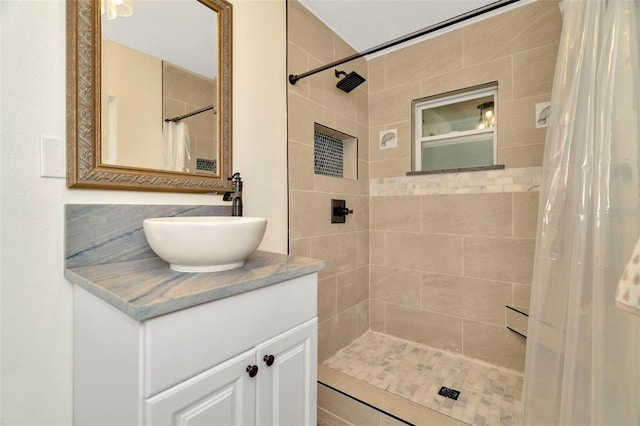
(526,179)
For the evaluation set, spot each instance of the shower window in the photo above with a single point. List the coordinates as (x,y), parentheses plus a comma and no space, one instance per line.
(455,130)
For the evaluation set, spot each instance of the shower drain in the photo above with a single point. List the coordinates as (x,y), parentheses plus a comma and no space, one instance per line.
(449,393)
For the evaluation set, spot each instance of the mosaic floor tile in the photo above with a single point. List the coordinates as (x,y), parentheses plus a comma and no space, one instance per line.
(488,395)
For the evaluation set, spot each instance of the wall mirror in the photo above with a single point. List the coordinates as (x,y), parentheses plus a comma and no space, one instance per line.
(149,94)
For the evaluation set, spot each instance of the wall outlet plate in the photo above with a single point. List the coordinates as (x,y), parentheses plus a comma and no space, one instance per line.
(52,157)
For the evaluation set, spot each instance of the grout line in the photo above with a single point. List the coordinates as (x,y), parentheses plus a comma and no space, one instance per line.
(513,216)
(462,337)
(462,272)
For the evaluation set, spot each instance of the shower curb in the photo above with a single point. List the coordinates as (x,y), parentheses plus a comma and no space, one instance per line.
(365,403)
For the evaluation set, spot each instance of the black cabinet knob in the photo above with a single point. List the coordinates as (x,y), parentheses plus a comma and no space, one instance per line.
(252,370)
(268,359)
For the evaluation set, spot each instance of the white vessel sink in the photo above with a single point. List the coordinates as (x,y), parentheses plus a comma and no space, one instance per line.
(204,243)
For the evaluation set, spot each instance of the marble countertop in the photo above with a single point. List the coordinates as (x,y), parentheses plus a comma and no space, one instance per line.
(147,288)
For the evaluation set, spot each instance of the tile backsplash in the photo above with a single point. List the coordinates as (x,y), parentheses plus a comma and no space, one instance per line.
(106,233)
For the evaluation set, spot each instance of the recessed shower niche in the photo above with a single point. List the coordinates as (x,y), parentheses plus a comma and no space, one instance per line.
(335,153)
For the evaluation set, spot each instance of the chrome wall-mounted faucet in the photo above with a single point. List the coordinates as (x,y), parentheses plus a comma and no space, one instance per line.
(235,196)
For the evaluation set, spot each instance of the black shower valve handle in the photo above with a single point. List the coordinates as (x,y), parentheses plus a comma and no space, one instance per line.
(342,211)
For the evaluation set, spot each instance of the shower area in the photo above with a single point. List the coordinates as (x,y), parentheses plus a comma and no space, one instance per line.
(424,302)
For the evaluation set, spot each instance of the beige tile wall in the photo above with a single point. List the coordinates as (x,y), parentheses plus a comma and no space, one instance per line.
(183,92)
(343,287)
(517,49)
(436,269)
(443,275)
(133,79)
(443,263)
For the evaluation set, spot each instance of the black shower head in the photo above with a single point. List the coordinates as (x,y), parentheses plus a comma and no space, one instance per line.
(350,82)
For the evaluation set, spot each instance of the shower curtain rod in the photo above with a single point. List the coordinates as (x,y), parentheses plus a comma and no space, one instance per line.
(293,79)
(198,111)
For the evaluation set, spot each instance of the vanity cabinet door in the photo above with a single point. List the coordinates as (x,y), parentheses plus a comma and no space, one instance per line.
(288,376)
(224,395)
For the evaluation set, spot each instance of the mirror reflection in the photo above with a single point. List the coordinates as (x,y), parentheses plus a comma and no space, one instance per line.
(159,87)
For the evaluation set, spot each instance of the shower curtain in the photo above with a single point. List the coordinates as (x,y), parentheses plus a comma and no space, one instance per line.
(175,147)
(583,353)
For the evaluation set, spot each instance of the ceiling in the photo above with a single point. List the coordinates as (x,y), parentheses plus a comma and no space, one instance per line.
(364,24)
(163,29)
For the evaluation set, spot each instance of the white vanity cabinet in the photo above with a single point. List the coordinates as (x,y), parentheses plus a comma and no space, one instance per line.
(224,395)
(287,386)
(272,384)
(248,359)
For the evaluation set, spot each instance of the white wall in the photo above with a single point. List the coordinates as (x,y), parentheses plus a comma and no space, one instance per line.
(134,79)
(260,113)
(35,299)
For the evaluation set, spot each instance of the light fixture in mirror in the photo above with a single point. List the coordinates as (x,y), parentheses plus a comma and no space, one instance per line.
(115,8)
(144,112)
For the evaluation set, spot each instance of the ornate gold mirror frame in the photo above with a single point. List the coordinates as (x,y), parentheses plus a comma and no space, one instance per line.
(84,166)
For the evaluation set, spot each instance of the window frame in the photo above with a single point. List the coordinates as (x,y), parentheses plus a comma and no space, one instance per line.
(447,98)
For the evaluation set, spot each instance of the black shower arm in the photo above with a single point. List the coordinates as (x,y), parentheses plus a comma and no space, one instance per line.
(293,79)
